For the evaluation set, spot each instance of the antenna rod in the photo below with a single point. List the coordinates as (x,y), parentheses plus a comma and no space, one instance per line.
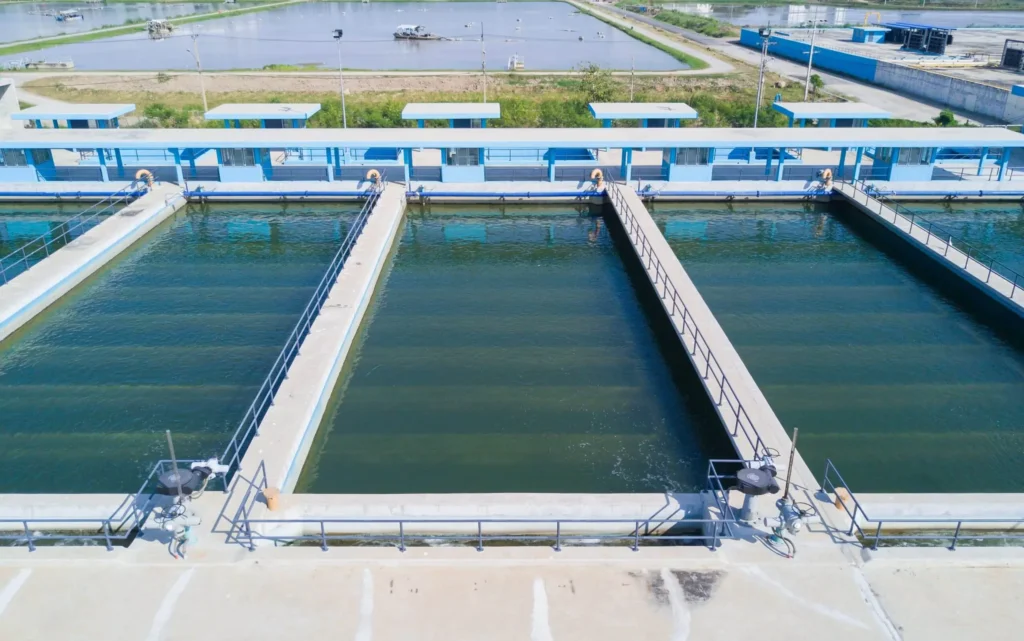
(174,464)
(789,469)
(483,60)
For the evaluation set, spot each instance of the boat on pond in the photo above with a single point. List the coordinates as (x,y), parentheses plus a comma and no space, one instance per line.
(415,32)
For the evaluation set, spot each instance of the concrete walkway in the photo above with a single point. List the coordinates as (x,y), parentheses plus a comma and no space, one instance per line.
(44,283)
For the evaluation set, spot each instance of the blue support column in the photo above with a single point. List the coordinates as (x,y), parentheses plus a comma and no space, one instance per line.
(551,165)
(39,124)
(643,123)
(115,123)
(607,122)
(56,125)
(802,122)
(227,124)
(790,116)
(1005,158)
(263,123)
(101,154)
(483,123)
(120,163)
(330,164)
(842,163)
(832,123)
(627,164)
(981,161)
(177,166)
(238,124)
(407,154)
(101,124)
(421,123)
(768,165)
(782,162)
(856,163)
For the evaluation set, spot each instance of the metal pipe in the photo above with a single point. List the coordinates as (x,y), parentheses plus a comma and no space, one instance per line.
(792,454)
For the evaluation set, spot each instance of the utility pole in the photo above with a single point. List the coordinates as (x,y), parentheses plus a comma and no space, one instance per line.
(633,71)
(810,57)
(341,79)
(765,33)
(483,60)
(199,67)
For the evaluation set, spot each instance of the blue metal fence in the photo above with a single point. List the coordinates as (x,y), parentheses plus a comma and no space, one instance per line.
(913,530)
(244,529)
(39,248)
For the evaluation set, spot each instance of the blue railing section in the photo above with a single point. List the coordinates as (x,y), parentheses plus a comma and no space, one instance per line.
(948,240)
(244,529)
(39,248)
(248,428)
(118,529)
(914,529)
(735,418)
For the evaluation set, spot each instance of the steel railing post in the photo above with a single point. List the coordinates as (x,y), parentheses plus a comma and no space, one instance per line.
(558,536)
(479,536)
(636,537)
(106,535)
(28,536)
(956,535)
(401,536)
(323,537)
(878,535)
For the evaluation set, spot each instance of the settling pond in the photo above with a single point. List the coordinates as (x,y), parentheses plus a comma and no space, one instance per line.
(550,36)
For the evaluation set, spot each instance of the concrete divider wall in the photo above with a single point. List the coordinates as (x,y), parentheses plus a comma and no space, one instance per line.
(35,289)
(289,426)
(761,415)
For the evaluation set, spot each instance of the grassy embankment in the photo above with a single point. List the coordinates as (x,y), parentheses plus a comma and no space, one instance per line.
(526,101)
(700,24)
(132,27)
(692,61)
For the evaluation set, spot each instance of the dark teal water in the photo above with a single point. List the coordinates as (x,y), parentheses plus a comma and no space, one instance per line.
(23,225)
(508,352)
(996,229)
(176,334)
(883,373)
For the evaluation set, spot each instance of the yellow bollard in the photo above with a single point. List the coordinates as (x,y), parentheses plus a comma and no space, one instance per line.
(272,496)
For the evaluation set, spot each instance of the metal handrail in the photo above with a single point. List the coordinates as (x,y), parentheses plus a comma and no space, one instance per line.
(1011,276)
(676,307)
(654,528)
(128,517)
(832,480)
(248,427)
(72,224)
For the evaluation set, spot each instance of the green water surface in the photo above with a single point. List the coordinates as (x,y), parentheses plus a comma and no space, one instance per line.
(507,351)
(995,229)
(177,333)
(883,373)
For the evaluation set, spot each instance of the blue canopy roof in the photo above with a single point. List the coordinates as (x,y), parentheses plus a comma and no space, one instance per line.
(74,112)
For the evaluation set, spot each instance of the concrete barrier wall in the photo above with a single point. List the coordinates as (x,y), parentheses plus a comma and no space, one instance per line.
(955,92)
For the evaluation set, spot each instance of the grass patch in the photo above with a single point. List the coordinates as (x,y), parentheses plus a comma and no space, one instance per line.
(305,66)
(552,101)
(700,24)
(131,28)
(24,105)
(692,62)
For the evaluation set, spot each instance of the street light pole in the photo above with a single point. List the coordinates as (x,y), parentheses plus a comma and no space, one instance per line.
(765,33)
(810,58)
(199,67)
(341,80)
(483,60)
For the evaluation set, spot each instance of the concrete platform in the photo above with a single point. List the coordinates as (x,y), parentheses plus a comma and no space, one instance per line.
(44,283)
(288,427)
(59,190)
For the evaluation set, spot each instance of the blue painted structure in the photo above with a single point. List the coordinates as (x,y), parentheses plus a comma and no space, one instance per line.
(869,34)
(83,116)
(692,152)
(269,115)
(830,114)
(780,44)
(686,166)
(462,166)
